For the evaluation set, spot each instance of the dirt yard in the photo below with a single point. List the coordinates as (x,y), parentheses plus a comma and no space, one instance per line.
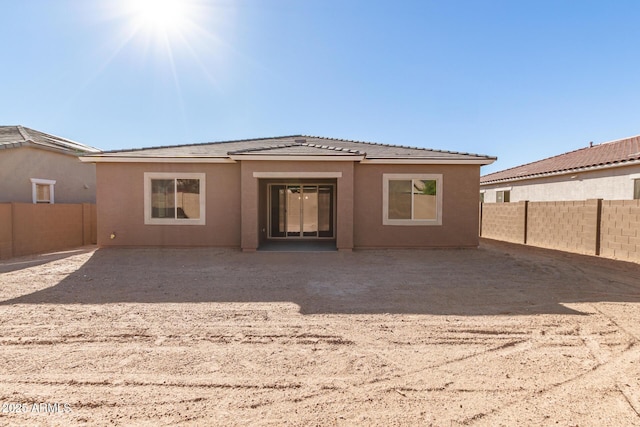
(501,335)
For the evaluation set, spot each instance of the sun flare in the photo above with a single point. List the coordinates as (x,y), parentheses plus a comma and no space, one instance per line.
(173,35)
(160,17)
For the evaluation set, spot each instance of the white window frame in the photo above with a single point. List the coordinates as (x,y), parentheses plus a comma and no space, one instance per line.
(148,220)
(34,190)
(503,189)
(406,177)
(503,193)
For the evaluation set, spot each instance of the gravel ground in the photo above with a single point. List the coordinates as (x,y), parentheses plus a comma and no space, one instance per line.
(500,335)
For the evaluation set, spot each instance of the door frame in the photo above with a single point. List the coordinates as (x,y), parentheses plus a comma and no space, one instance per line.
(301,183)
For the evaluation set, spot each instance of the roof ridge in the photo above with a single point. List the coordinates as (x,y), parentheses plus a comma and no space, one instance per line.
(331,147)
(125,150)
(24,133)
(398,146)
(43,139)
(263,148)
(55,139)
(294,144)
(618,140)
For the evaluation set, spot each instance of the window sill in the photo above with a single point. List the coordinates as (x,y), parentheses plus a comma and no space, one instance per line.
(175,222)
(411,222)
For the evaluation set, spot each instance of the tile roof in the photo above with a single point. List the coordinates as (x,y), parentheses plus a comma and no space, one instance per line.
(296,145)
(608,154)
(299,148)
(18,136)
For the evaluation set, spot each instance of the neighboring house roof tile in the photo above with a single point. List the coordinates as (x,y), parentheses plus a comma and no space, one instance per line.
(18,136)
(296,145)
(608,154)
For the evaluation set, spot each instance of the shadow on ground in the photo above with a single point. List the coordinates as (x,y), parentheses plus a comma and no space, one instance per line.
(496,279)
(39,259)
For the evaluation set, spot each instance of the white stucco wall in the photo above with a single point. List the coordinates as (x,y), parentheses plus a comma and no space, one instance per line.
(608,184)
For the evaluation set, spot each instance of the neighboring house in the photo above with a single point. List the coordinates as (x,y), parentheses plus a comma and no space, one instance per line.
(36,167)
(249,192)
(609,171)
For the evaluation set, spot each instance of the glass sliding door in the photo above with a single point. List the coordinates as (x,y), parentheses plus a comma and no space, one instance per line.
(325,211)
(310,211)
(277,210)
(294,210)
(301,211)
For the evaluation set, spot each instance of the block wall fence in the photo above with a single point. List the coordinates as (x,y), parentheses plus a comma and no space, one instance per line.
(607,228)
(27,228)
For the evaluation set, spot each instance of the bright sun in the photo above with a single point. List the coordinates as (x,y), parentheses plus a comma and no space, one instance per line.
(160,17)
(171,32)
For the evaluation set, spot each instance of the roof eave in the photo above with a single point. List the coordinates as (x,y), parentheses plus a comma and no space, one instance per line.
(47,147)
(428,161)
(9,145)
(563,172)
(154,159)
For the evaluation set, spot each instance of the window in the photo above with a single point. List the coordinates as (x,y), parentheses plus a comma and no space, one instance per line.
(412,199)
(42,190)
(174,199)
(503,196)
(636,189)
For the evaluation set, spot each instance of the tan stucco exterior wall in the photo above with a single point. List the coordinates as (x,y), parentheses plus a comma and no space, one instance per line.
(236,207)
(460,198)
(75,181)
(121,207)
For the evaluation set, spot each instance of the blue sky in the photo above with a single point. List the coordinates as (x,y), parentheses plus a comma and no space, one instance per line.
(521,80)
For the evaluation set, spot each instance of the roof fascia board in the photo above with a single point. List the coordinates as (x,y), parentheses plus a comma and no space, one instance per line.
(68,145)
(37,146)
(426,161)
(235,158)
(564,172)
(9,145)
(114,159)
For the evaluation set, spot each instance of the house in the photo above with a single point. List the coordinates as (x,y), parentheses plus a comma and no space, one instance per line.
(247,193)
(609,171)
(40,168)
